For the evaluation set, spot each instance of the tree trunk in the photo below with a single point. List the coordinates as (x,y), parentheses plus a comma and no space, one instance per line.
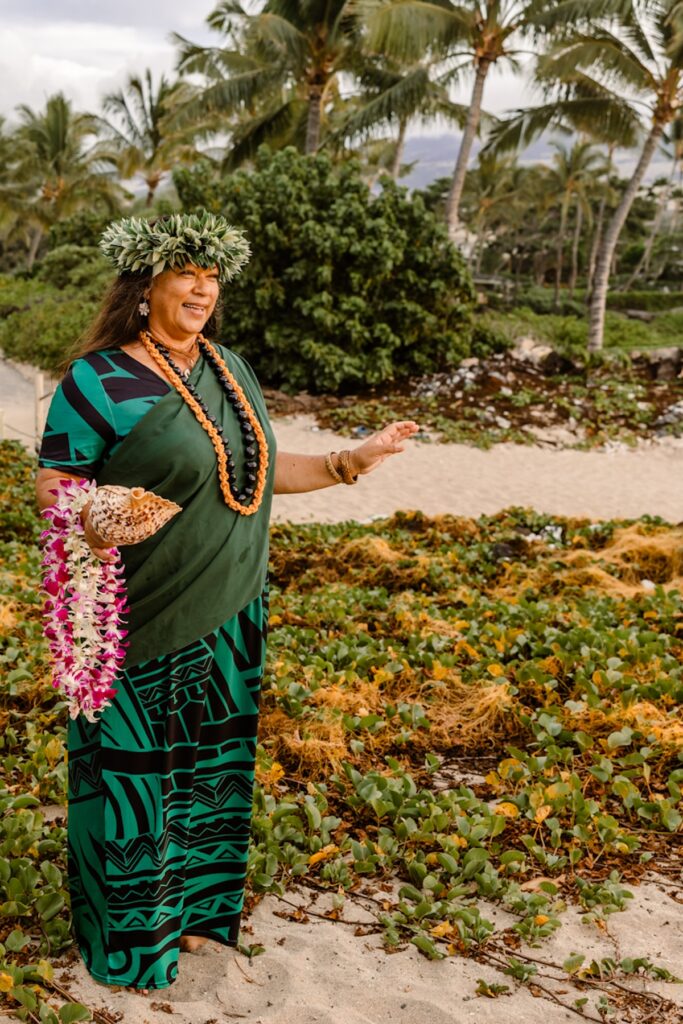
(596,316)
(398,152)
(559,255)
(597,234)
(33,250)
(644,261)
(575,248)
(595,245)
(315,98)
(471,126)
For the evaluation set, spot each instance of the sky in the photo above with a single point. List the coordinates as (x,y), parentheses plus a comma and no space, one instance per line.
(87,48)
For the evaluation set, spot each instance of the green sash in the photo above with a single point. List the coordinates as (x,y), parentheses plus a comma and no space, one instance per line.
(209,562)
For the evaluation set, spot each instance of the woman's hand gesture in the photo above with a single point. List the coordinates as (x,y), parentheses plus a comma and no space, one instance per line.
(376,449)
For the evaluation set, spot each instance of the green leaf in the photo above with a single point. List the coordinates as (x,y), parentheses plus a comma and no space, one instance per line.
(573,962)
(71,1012)
(50,905)
(620,739)
(16,940)
(473,861)
(427,946)
(51,873)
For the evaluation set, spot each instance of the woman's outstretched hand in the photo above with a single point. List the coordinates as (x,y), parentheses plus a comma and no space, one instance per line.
(376,449)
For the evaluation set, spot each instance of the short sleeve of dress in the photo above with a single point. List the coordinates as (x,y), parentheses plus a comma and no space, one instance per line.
(80,425)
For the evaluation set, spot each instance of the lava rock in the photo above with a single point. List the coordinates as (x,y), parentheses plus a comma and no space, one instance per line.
(660,363)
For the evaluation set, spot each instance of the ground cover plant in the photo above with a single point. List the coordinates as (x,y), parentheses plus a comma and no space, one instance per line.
(457,716)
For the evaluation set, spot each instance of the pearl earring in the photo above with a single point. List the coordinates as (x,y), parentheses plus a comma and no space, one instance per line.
(143,308)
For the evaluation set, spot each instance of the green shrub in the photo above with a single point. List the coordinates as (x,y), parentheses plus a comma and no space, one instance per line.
(16,293)
(647,301)
(45,331)
(344,288)
(487,338)
(79,266)
(542,300)
(569,335)
(82,228)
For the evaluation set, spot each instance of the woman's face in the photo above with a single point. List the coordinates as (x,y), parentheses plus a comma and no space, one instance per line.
(182,300)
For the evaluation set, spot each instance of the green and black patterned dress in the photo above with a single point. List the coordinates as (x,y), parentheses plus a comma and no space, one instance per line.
(160,787)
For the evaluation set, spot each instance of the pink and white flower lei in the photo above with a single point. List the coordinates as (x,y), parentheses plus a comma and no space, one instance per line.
(84,606)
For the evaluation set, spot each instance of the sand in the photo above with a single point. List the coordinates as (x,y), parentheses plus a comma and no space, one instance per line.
(320,972)
(438,478)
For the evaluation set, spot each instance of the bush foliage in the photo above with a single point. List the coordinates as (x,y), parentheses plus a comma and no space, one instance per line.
(41,319)
(344,288)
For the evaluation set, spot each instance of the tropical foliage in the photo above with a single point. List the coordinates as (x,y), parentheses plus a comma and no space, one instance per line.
(351,80)
(343,290)
(136,127)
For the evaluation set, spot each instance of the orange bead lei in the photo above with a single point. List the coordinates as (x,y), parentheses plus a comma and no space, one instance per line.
(208,426)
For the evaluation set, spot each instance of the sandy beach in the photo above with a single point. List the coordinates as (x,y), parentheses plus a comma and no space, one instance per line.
(316,971)
(456,478)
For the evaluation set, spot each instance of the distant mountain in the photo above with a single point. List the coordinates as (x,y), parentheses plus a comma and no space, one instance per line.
(435,156)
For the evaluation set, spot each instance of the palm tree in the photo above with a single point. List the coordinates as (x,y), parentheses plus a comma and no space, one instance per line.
(137,130)
(61,166)
(277,72)
(571,172)
(490,189)
(472,36)
(666,188)
(392,94)
(625,64)
(14,194)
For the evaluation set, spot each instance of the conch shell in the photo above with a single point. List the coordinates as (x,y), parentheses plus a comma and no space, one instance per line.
(128,515)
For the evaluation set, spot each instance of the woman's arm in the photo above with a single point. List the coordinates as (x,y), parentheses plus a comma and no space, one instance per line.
(47,481)
(295,474)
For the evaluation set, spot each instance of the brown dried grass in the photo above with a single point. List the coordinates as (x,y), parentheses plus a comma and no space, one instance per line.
(634,554)
(8,617)
(470,715)
(644,716)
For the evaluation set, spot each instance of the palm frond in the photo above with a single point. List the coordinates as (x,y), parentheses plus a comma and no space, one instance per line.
(601,50)
(410,30)
(272,37)
(279,125)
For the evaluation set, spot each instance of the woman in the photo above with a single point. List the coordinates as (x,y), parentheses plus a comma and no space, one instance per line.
(160,786)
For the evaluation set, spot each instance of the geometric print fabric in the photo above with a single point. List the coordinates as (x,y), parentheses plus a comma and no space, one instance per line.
(160,801)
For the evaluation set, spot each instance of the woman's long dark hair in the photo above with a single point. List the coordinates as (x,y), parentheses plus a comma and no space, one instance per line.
(119,320)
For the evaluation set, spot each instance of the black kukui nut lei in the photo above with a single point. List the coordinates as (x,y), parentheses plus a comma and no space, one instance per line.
(245,494)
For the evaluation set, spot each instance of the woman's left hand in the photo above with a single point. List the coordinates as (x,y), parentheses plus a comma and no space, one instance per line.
(376,449)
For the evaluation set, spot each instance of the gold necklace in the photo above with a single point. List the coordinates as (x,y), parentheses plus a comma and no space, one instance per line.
(188,355)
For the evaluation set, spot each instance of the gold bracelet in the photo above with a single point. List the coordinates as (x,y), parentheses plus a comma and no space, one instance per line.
(345,468)
(329,466)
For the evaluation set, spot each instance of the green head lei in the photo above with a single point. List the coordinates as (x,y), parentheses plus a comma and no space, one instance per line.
(202,239)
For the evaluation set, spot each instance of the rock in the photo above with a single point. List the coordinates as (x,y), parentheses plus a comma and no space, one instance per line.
(503,423)
(543,357)
(674,414)
(472,361)
(661,363)
(555,437)
(640,314)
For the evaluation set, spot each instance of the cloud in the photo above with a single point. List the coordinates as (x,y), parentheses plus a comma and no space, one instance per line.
(163,17)
(82,62)
(88,49)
